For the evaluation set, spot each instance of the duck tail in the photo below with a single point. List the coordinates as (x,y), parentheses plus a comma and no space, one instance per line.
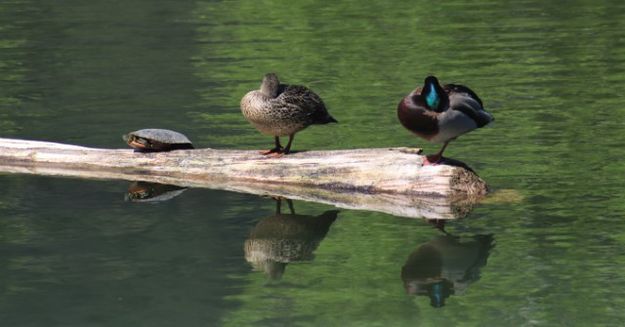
(322,120)
(322,116)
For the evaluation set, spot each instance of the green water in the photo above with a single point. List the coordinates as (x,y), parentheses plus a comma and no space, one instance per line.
(74,253)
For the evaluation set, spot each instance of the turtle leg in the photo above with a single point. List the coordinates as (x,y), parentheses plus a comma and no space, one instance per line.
(276,149)
(435,159)
(140,144)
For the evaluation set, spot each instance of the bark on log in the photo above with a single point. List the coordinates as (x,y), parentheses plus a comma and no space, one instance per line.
(390,180)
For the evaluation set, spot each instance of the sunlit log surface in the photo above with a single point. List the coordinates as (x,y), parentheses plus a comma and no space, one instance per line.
(390,180)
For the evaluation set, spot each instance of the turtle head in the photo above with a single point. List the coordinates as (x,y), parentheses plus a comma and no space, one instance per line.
(270,85)
(137,191)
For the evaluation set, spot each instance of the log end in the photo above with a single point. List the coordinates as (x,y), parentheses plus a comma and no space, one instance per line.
(467,184)
(466,190)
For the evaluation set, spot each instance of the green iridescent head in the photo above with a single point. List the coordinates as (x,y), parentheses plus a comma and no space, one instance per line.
(432,92)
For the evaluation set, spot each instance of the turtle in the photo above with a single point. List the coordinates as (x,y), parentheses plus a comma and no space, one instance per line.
(157,140)
(152,192)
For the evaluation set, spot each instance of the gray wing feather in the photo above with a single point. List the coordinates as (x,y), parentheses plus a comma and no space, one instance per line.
(463,99)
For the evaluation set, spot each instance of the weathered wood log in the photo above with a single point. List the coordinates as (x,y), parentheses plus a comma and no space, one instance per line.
(391,180)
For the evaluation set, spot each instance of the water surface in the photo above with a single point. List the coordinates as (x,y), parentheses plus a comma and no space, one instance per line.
(74,253)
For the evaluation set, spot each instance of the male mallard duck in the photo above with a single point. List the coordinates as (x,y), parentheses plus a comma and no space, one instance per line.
(440,114)
(446,265)
(279,110)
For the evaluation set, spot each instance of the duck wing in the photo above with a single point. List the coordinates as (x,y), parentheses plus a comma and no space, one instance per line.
(463,99)
(303,99)
(457,88)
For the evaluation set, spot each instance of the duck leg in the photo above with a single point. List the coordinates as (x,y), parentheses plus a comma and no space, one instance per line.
(276,149)
(439,224)
(288,146)
(278,205)
(290,203)
(435,159)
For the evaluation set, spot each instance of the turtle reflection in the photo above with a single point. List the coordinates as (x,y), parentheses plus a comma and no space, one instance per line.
(283,238)
(445,265)
(152,192)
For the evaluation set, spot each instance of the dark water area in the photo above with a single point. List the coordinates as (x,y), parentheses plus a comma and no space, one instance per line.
(76,253)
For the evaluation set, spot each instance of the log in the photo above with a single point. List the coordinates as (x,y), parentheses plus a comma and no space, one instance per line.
(390,180)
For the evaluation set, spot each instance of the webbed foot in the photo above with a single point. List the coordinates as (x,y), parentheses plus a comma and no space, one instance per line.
(273,152)
(433,160)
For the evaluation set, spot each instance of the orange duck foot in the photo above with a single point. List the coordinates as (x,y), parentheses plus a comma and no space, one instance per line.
(433,160)
(277,151)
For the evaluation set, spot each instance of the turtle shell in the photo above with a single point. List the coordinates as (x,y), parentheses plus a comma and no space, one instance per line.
(155,139)
(152,192)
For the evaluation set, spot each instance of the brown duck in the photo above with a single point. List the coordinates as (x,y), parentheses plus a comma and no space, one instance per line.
(280,110)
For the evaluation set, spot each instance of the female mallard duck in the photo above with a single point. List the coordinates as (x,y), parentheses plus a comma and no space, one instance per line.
(440,114)
(279,110)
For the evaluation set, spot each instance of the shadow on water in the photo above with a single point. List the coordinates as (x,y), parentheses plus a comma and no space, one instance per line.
(445,266)
(282,238)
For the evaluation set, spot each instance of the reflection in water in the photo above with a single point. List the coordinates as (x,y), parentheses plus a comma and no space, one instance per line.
(152,192)
(445,265)
(282,238)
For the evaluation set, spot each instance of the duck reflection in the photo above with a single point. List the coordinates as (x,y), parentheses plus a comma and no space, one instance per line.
(445,265)
(152,192)
(283,238)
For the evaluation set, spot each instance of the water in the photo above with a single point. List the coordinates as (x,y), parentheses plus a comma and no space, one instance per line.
(74,253)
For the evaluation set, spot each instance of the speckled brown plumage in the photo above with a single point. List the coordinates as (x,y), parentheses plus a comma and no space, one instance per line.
(280,110)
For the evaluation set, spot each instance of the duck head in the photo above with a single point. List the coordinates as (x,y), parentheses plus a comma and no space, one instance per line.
(439,292)
(270,85)
(433,94)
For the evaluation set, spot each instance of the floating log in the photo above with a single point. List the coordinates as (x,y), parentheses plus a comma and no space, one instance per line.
(391,180)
